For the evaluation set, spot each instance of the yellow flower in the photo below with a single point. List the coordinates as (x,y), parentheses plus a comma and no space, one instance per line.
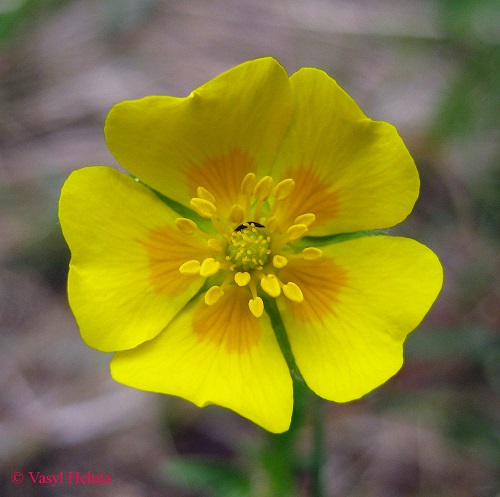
(247,179)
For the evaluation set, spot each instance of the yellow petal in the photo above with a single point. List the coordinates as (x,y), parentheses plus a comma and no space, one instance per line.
(351,172)
(211,138)
(218,355)
(124,282)
(361,299)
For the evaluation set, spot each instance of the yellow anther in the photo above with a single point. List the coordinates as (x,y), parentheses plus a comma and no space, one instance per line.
(213,295)
(284,188)
(190,267)
(248,184)
(296,231)
(256,306)
(203,207)
(263,188)
(271,224)
(293,292)
(306,219)
(216,245)
(205,194)
(270,285)
(242,279)
(237,214)
(209,267)
(186,225)
(279,261)
(312,253)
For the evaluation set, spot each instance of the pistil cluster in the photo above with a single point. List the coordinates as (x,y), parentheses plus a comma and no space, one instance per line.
(251,246)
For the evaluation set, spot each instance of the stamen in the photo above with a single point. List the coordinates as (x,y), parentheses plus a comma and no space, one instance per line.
(306,219)
(248,184)
(270,284)
(205,194)
(186,225)
(256,306)
(216,245)
(209,267)
(271,224)
(203,207)
(242,278)
(243,246)
(312,253)
(237,214)
(279,261)
(284,188)
(213,295)
(263,188)
(190,268)
(293,292)
(296,231)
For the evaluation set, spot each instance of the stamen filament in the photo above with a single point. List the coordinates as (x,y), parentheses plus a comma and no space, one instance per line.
(258,209)
(216,245)
(218,225)
(294,233)
(271,223)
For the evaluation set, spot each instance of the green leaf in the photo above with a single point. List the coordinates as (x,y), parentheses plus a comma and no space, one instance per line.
(321,241)
(219,478)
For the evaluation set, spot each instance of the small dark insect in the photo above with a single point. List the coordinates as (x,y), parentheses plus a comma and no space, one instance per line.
(244,226)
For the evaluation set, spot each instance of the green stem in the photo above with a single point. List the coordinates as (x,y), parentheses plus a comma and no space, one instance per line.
(279,457)
(318,454)
(282,337)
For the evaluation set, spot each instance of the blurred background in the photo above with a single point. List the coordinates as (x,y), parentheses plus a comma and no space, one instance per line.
(431,67)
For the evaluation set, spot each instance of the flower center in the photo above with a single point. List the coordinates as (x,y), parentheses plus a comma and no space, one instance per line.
(248,247)
(252,253)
